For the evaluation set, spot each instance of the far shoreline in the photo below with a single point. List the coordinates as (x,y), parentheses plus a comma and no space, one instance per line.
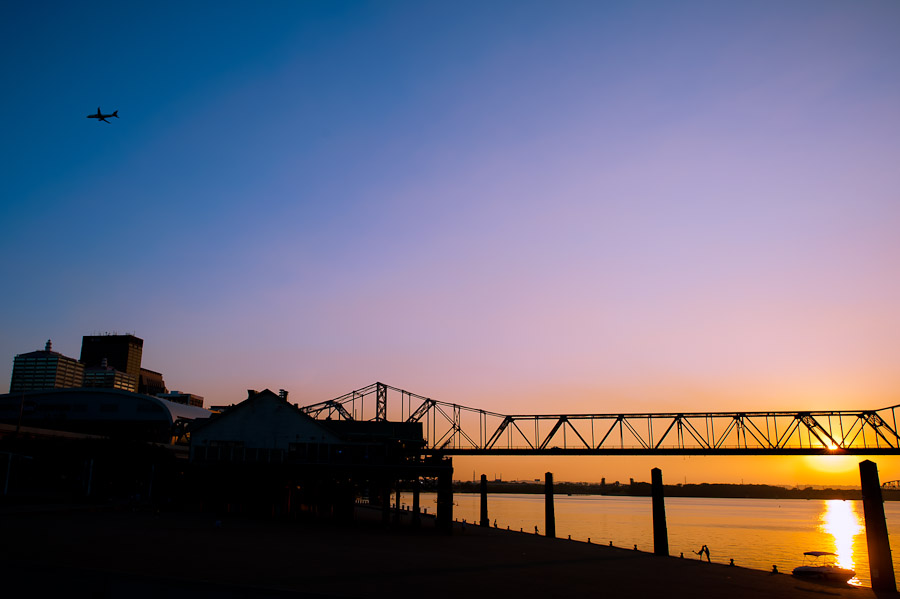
(642,489)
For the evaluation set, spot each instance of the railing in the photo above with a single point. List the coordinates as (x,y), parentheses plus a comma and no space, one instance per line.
(454,429)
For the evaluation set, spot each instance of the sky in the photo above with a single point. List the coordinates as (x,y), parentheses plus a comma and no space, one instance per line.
(524,207)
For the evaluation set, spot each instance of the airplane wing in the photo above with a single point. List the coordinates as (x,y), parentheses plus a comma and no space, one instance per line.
(98,113)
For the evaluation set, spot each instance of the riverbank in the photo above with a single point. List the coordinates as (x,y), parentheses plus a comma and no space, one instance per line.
(113,554)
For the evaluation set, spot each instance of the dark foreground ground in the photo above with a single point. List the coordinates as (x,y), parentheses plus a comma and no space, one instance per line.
(133,554)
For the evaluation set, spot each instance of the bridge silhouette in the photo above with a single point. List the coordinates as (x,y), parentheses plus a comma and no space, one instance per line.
(453,429)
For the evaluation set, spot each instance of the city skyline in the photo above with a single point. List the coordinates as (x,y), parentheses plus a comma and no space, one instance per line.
(518,207)
(834,471)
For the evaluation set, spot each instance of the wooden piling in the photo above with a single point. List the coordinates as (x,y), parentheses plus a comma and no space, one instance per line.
(549,515)
(660,532)
(445,500)
(881,567)
(485,521)
(385,502)
(416,518)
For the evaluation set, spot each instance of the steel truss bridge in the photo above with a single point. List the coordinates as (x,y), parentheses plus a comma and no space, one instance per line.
(452,429)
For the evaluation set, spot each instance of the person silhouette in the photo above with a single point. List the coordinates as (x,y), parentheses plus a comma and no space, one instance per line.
(703,550)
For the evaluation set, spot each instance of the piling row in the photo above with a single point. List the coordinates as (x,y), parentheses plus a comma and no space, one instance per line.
(880,563)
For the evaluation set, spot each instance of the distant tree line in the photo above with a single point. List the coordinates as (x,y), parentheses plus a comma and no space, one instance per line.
(642,489)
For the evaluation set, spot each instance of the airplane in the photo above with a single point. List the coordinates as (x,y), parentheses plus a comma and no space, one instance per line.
(102,116)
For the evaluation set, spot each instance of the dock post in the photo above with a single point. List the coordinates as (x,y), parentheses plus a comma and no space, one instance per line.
(549,515)
(881,567)
(416,518)
(484,510)
(660,532)
(385,502)
(445,499)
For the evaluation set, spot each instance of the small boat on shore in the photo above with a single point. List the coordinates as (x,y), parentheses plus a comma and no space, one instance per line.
(821,565)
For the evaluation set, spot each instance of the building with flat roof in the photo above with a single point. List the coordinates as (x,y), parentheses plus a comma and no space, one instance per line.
(45,369)
(107,377)
(122,352)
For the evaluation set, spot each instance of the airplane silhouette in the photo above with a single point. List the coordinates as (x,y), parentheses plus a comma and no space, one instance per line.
(102,116)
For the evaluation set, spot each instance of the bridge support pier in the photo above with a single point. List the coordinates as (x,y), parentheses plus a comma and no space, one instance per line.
(881,567)
(485,521)
(549,514)
(660,531)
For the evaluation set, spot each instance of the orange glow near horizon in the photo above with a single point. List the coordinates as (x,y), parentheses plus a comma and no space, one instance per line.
(786,471)
(833,464)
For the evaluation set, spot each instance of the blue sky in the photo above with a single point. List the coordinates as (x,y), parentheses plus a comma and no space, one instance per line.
(684,205)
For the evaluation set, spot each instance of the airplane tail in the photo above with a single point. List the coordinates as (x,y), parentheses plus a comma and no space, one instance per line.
(115,113)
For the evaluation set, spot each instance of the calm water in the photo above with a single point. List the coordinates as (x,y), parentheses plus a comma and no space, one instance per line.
(756,533)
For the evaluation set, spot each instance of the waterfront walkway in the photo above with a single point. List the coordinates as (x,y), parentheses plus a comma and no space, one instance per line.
(83,553)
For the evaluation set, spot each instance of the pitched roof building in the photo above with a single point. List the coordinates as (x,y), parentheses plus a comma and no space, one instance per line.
(262,428)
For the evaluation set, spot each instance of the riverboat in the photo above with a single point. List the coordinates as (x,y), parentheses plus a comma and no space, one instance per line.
(821,565)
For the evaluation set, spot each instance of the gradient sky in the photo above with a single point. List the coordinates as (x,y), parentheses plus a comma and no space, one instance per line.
(526,207)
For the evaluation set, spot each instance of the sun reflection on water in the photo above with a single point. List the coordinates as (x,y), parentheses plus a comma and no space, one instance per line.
(841,520)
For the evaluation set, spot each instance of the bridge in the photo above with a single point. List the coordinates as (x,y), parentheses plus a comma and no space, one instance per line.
(452,429)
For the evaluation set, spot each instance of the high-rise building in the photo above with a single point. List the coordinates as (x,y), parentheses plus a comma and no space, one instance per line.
(107,362)
(122,352)
(45,369)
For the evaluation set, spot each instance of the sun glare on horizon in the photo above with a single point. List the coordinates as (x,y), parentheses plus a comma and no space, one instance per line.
(839,465)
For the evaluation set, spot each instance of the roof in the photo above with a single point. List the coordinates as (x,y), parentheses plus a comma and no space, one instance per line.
(252,397)
(264,419)
(172,411)
(43,353)
(182,411)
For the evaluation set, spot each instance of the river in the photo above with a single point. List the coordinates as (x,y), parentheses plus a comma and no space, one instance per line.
(755,533)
